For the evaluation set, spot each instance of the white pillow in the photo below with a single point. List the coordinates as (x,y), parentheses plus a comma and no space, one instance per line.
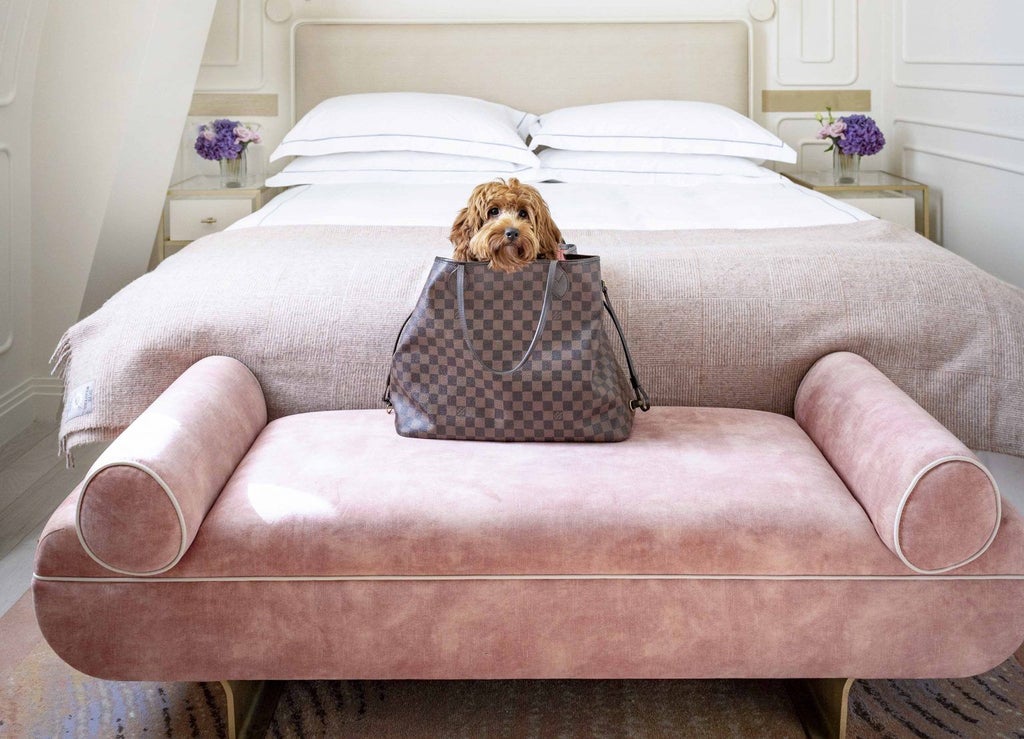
(646,168)
(410,167)
(669,126)
(411,121)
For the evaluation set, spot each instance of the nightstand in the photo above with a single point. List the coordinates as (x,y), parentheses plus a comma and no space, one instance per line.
(201,205)
(883,195)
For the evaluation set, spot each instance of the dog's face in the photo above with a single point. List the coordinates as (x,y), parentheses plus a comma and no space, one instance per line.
(508,225)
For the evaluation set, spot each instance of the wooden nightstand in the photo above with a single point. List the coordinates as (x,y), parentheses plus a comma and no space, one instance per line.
(881,194)
(200,205)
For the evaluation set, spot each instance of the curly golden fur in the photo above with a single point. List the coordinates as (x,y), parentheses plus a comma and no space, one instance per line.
(506,224)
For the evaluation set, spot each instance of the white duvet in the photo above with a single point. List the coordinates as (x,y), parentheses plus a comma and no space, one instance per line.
(771,202)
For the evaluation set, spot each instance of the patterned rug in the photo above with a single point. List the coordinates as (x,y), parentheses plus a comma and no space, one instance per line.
(40,696)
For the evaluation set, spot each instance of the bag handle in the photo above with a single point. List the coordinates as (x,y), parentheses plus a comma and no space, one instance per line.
(642,399)
(549,288)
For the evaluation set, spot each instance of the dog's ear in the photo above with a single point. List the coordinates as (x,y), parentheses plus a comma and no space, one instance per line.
(548,236)
(469,221)
(462,231)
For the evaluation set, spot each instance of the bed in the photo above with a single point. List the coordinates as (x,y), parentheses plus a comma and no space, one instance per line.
(730,282)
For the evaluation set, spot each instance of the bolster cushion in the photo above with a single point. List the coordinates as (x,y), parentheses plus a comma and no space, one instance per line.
(929,497)
(143,500)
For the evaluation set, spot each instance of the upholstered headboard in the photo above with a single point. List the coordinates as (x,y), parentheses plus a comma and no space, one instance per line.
(533,66)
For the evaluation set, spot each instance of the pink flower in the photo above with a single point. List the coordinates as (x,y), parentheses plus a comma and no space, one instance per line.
(208,134)
(832,130)
(246,135)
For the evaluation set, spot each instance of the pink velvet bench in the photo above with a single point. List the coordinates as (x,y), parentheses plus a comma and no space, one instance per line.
(860,539)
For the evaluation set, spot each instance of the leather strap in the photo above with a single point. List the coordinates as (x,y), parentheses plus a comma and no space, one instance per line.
(642,399)
(549,287)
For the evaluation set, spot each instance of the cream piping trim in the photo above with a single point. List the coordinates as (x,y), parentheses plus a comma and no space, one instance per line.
(457,578)
(174,502)
(906,498)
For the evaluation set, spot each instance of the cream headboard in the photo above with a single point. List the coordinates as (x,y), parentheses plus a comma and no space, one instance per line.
(533,66)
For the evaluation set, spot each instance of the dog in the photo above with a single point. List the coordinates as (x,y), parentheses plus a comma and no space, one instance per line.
(506,224)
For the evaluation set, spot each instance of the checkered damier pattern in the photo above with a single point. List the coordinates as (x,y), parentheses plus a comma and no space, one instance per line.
(446,384)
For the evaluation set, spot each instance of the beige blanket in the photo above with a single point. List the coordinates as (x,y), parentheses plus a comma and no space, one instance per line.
(714,318)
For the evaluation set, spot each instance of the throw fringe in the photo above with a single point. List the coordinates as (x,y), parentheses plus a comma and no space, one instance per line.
(71,440)
(60,365)
(62,450)
(60,360)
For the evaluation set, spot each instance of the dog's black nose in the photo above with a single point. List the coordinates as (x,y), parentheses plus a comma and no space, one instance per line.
(511,234)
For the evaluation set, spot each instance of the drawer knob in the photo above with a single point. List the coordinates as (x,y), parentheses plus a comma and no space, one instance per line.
(209,219)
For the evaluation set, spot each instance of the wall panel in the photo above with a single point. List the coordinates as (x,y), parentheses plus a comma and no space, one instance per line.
(20,28)
(817,42)
(975,218)
(6,252)
(224,41)
(954,46)
(958,112)
(14,15)
(234,56)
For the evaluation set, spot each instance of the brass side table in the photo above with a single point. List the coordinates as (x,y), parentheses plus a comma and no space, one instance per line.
(875,182)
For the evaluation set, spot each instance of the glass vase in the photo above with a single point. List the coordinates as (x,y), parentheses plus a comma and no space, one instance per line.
(232,171)
(845,167)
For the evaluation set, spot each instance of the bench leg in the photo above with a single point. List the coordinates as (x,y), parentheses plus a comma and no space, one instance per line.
(822,705)
(250,706)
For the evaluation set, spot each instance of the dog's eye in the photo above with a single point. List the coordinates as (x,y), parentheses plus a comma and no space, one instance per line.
(523,213)
(492,212)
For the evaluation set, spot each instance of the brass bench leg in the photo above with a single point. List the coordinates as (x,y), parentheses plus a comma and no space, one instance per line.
(250,706)
(822,705)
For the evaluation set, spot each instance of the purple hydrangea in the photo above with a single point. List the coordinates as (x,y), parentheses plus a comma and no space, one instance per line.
(217,140)
(861,136)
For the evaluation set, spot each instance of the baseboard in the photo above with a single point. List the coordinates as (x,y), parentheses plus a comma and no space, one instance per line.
(36,399)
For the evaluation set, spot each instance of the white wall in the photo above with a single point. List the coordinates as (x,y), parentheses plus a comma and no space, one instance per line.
(957,109)
(827,44)
(20,31)
(120,73)
(95,143)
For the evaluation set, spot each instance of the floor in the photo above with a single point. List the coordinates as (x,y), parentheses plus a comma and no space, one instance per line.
(33,482)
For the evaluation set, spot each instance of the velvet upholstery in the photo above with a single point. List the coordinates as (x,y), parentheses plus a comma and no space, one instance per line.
(713,543)
(929,497)
(532,628)
(143,500)
(694,491)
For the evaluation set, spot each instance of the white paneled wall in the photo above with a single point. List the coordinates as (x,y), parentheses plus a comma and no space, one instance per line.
(828,44)
(957,104)
(817,43)
(92,99)
(20,391)
(234,56)
(7,276)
